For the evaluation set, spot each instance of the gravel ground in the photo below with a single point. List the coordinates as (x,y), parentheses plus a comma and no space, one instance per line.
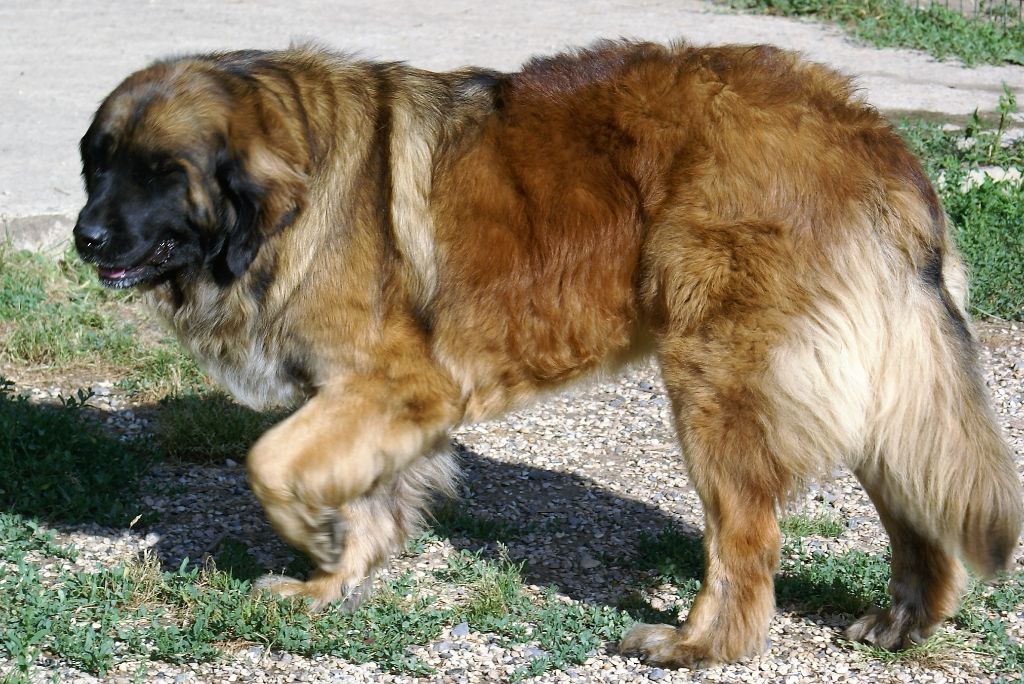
(584,473)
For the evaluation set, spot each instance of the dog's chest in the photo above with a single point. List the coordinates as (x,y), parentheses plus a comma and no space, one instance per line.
(254,375)
(242,353)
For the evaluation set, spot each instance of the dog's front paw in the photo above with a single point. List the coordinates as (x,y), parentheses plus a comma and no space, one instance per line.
(665,645)
(322,590)
(668,646)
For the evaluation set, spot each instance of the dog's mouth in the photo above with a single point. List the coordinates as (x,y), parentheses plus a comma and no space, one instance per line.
(153,265)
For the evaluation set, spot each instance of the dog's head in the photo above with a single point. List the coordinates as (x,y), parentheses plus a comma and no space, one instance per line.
(190,164)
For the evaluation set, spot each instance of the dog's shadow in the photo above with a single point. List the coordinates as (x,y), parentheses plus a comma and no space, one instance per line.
(565,530)
(561,529)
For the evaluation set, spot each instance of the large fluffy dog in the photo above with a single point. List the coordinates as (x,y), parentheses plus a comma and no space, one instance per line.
(400,251)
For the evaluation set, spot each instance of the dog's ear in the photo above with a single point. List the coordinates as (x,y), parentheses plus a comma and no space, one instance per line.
(262,173)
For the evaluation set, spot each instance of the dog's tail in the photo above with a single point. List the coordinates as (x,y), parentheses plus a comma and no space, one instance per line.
(937,455)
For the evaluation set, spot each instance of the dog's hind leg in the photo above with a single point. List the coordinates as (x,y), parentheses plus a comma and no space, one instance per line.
(926,582)
(936,468)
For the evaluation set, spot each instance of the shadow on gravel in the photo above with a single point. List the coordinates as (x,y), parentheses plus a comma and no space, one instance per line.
(593,544)
(566,530)
(60,468)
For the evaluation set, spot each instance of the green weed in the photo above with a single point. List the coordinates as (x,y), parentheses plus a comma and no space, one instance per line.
(977,614)
(675,557)
(800,525)
(234,558)
(845,583)
(988,231)
(850,582)
(939,651)
(935,29)
(564,631)
(139,613)
(985,216)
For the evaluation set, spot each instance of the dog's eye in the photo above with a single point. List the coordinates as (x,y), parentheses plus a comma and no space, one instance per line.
(164,167)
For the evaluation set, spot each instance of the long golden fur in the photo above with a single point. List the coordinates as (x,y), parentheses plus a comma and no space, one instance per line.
(401,251)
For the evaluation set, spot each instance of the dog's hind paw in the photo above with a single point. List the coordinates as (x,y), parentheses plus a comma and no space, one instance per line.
(889,629)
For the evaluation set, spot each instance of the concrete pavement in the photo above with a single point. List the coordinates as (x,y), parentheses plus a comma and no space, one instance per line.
(59,58)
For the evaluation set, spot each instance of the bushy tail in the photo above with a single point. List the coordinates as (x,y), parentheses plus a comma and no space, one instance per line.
(986,517)
(939,459)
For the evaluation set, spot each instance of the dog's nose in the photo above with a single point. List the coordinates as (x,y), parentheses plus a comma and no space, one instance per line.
(89,236)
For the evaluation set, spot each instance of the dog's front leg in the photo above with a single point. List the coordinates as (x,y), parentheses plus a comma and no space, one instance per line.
(344,479)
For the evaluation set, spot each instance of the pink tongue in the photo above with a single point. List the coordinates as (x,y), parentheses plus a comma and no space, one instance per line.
(112,274)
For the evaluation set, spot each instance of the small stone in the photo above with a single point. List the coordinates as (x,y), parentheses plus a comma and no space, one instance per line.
(442,647)
(231,463)
(856,521)
(535,653)
(588,562)
(657,674)
(460,630)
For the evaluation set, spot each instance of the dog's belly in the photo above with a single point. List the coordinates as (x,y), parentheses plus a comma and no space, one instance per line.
(500,373)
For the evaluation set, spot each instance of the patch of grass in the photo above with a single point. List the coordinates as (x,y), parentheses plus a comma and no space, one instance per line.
(935,29)
(493,594)
(564,631)
(985,215)
(1006,595)
(676,558)
(161,369)
(977,614)
(140,613)
(234,558)
(55,314)
(20,535)
(988,232)
(208,426)
(850,582)
(451,520)
(939,651)
(54,465)
(398,616)
(956,151)
(845,583)
(799,525)
(1006,656)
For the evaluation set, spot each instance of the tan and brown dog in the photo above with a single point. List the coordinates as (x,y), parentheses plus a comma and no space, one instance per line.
(400,251)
